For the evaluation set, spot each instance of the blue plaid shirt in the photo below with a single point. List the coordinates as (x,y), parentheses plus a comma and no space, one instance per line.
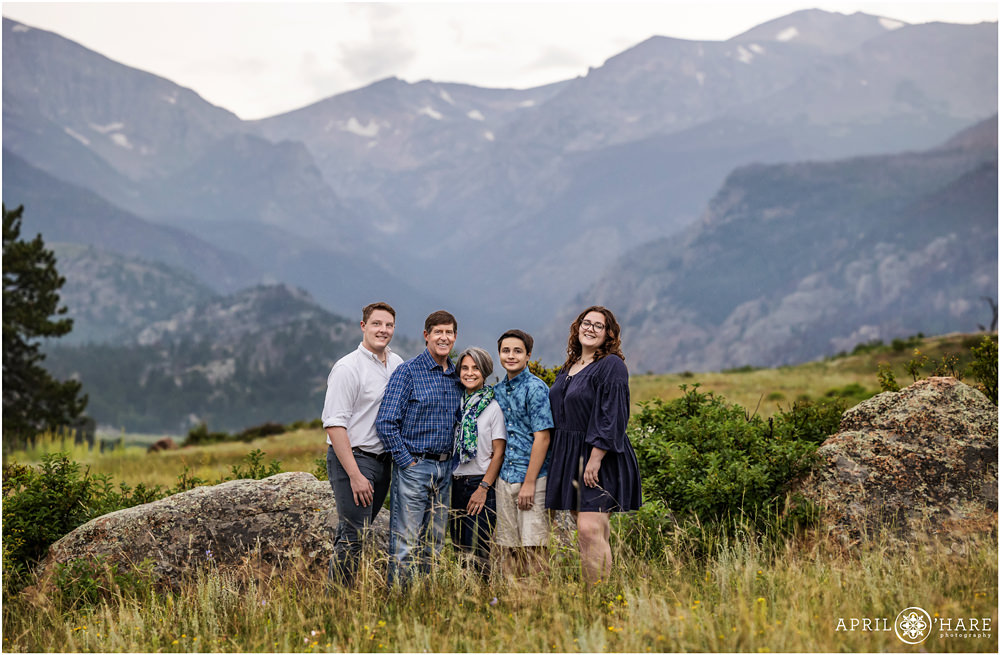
(525,404)
(419,409)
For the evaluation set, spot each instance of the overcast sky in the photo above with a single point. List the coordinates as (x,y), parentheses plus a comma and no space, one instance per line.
(261,59)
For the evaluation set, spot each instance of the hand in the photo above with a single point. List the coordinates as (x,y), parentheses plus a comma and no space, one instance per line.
(590,472)
(476,502)
(526,496)
(363,490)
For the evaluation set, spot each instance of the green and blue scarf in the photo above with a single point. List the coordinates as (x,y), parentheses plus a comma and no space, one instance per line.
(467,430)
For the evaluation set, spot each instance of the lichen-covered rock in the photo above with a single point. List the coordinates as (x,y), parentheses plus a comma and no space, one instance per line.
(919,461)
(284,521)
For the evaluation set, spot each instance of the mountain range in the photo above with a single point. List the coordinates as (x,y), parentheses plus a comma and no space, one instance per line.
(519,207)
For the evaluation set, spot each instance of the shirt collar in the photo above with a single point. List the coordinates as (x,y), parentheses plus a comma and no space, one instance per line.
(517,379)
(430,363)
(370,355)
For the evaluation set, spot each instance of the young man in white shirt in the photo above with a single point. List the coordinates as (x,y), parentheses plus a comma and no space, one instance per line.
(357,465)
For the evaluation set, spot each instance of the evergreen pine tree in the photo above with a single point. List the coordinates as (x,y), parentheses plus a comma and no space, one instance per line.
(33,401)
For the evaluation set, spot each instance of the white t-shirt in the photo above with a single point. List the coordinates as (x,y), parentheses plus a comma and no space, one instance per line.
(491,426)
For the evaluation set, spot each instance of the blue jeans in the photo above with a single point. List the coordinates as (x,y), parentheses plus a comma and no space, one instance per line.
(354,519)
(418,516)
(473,534)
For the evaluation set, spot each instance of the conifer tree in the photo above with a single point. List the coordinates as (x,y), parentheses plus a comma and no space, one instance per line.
(33,401)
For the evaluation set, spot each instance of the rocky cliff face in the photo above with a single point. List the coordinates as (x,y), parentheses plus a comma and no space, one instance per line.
(921,461)
(794,262)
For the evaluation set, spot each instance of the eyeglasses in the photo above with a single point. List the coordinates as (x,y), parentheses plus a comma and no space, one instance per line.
(596,327)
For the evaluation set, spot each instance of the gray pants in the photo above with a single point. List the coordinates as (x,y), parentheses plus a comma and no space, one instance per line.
(354,519)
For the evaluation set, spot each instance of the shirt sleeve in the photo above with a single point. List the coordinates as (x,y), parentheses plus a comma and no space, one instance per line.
(391,414)
(341,394)
(609,417)
(539,410)
(498,428)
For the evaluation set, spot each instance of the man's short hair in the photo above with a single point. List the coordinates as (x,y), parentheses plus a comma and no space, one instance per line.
(367,311)
(525,338)
(440,317)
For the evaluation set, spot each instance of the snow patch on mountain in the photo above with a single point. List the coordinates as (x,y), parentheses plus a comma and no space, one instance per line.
(787,34)
(489,136)
(21,28)
(476,115)
(430,111)
(354,126)
(891,24)
(446,97)
(744,55)
(121,140)
(105,129)
(76,135)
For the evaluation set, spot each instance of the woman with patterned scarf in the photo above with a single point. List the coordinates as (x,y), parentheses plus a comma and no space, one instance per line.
(480,438)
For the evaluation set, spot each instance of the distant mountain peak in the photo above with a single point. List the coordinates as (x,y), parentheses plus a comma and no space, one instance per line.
(831,32)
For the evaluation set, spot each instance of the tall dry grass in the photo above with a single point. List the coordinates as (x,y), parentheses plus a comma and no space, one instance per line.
(753,595)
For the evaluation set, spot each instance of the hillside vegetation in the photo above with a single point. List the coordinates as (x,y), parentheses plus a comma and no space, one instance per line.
(853,377)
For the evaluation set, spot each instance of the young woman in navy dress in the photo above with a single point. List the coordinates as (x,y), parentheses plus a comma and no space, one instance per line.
(593,470)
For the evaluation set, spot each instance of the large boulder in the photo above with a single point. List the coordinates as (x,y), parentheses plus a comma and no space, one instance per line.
(921,461)
(286,521)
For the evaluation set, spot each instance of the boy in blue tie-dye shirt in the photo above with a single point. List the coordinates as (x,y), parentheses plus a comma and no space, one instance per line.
(522,520)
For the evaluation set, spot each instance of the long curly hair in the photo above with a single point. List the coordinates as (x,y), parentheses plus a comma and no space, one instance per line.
(612,337)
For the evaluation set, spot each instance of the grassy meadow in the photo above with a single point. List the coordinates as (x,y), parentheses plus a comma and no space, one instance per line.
(706,591)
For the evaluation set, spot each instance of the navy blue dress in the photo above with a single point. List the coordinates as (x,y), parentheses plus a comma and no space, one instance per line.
(591,409)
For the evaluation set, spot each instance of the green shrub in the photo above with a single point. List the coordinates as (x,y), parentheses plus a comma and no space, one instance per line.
(984,367)
(886,378)
(200,436)
(255,469)
(708,459)
(263,430)
(40,506)
(852,393)
(548,375)
(810,421)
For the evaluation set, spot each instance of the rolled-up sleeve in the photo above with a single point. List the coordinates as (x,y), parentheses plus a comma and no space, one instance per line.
(609,418)
(391,415)
(342,388)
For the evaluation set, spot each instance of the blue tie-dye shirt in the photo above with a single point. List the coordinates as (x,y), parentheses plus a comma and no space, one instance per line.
(525,404)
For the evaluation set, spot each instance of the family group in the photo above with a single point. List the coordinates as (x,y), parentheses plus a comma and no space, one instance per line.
(475,459)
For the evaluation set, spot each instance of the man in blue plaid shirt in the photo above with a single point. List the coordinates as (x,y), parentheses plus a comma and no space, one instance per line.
(416,424)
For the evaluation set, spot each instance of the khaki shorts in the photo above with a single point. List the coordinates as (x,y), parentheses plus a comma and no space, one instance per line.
(516,527)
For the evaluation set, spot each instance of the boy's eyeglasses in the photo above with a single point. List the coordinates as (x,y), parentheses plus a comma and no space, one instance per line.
(596,327)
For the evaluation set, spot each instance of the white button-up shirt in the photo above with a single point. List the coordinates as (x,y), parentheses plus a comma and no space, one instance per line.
(354,391)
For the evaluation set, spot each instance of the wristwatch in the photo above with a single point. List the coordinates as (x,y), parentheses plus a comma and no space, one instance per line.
(484,484)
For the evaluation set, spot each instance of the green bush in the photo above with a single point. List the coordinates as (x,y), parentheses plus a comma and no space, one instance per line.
(200,436)
(984,367)
(40,506)
(263,430)
(811,421)
(707,459)
(255,469)
(547,375)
